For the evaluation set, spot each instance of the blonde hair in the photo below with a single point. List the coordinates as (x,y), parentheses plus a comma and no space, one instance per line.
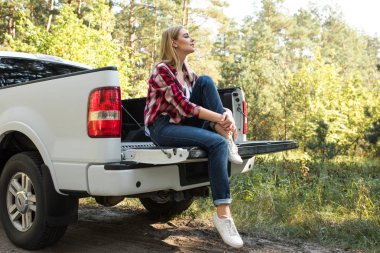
(167,53)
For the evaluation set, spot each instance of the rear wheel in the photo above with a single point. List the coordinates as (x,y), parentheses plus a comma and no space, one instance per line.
(23,203)
(166,209)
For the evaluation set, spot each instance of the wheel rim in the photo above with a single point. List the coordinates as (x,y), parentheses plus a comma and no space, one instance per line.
(21,202)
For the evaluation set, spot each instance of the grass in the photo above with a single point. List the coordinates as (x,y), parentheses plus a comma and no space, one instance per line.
(333,203)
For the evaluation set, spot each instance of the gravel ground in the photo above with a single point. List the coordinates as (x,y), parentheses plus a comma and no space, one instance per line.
(122,229)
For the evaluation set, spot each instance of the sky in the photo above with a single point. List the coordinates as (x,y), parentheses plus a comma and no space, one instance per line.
(363,15)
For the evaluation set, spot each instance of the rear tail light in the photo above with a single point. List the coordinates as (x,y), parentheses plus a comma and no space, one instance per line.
(245,120)
(104,113)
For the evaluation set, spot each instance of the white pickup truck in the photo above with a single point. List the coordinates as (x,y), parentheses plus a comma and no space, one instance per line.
(65,134)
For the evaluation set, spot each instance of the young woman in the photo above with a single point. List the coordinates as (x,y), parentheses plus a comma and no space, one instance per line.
(185,110)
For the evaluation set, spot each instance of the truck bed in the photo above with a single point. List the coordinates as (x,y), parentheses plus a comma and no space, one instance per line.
(133,136)
(133,118)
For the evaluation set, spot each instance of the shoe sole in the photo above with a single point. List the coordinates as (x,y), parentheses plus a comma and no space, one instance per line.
(236,162)
(228,243)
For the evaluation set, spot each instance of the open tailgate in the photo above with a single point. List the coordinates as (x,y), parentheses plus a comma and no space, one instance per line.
(248,149)
(150,153)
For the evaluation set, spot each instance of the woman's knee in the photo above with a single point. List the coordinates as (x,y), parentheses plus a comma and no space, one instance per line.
(219,142)
(205,81)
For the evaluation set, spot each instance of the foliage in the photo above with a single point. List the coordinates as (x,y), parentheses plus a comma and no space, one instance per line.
(333,203)
(308,77)
(302,74)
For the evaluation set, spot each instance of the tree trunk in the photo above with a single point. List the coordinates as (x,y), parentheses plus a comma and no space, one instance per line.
(11,29)
(286,120)
(185,11)
(51,7)
(9,25)
(79,7)
(154,38)
(131,21)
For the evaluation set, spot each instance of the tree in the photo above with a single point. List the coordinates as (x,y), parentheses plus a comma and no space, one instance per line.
(303,75)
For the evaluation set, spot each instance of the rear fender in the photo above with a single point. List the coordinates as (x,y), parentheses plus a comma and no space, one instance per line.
(33,136)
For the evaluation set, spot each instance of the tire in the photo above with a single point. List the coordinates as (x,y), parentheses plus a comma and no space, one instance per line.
(23,203)
(166,209)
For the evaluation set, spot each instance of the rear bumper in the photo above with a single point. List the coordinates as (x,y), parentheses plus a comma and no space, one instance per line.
(130,179)
(123,179)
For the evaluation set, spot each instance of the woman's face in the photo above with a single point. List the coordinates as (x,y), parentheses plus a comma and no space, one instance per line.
(184,43)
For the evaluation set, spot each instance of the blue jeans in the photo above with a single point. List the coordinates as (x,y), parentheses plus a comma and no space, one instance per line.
(196,132)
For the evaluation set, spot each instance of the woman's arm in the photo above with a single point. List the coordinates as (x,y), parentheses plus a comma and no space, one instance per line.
(211,115)
(225,120)
(174,96)
(166,81)
(224,123)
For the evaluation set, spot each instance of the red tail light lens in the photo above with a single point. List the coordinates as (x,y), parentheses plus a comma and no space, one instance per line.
(104,113)
(245,124)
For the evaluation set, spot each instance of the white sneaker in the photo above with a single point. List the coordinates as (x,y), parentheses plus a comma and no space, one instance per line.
(233,154)
(228,232)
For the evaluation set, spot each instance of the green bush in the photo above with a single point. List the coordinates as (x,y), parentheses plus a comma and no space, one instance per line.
(332,203)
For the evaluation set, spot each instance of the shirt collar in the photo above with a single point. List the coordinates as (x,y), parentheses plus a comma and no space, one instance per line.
(184,69)
(171,68)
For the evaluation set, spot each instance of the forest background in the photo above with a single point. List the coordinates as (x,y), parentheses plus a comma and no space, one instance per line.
(308,77)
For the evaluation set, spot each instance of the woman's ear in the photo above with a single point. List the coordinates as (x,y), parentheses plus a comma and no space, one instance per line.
(174,44)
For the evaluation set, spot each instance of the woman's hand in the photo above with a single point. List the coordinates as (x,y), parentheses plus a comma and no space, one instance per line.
(228,123)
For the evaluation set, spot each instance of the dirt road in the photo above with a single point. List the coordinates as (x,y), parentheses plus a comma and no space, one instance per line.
(121,229)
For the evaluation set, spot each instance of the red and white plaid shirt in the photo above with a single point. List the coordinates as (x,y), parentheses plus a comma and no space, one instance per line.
(167,96)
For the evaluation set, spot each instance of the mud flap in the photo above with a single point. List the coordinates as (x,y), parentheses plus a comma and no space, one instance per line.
(61,210)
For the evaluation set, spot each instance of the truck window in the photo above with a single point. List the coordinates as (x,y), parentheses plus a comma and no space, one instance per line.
(16,70)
